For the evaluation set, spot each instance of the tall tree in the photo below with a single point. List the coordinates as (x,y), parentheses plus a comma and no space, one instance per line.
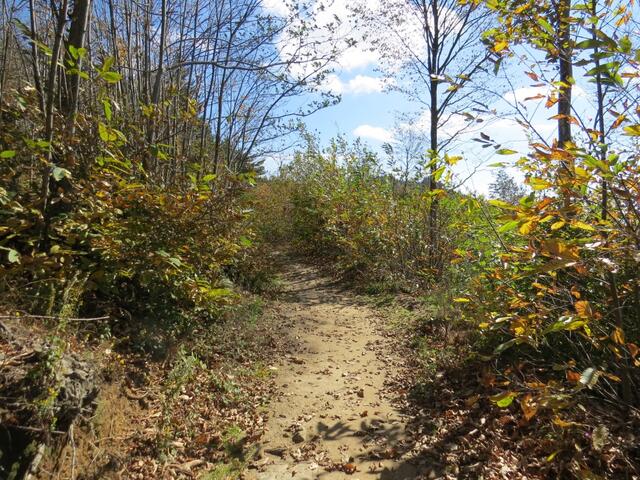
(435,46)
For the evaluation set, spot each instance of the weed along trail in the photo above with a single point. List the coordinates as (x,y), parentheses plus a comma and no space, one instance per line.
(332,417)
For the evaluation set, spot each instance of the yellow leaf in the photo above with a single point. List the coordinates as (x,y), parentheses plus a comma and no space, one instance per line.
(583,308)
(538,183)
(557,248)
(618,336)
(561,423)
(461,300)
(582,226)
(500,46)
(558,225)
(527,227)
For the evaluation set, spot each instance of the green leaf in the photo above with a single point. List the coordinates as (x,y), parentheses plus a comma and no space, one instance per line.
(59,173)
(12,255)
(567,323)
(546,25)
(590,43)
(111,77)
(625,45)
(245,242)
(108,63)
(106,133)
(8,154)
(108,113)
(438,173)
(506,151)
(632,130)
(503,400)
(504,346)
(507,227)
(501,204)
(219,292)
(209,177)
(74,52)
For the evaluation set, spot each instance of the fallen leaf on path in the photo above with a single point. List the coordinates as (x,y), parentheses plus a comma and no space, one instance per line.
(278,452)
(349,468)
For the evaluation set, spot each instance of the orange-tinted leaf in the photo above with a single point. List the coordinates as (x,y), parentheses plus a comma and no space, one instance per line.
(561,423)
(529,407)
(573,377)
(532,76)
(618,336)
(583,309)
(349,468)
(613,377)
(618,121)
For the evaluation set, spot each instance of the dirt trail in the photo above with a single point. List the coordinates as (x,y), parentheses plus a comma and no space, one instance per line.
(333,418)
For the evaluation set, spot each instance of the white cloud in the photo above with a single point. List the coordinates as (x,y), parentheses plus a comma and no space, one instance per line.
(358,85)
(276,7)
(334,28)
(367,84)
(333,84)
(378,134)
(358,57)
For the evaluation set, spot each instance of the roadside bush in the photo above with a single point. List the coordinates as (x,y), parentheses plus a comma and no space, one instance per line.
(108,239)
(341,204)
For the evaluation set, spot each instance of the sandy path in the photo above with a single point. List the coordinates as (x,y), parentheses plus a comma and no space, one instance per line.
(333,418)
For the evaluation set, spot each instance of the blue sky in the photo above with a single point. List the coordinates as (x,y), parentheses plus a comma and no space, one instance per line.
(370,109)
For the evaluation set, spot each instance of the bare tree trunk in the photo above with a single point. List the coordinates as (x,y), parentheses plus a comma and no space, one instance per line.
(50,98)
(7,19)
(563,11)
(434,118)
(77,33)
(114,39)
(34,56)
(155,94)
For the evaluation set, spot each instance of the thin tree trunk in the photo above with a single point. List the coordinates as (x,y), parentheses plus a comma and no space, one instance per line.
(34,56)
(77,33)
(434,117)
(50,98)
(565,65)
(155,94)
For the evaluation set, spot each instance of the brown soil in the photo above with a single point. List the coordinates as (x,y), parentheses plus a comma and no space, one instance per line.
(334,417)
